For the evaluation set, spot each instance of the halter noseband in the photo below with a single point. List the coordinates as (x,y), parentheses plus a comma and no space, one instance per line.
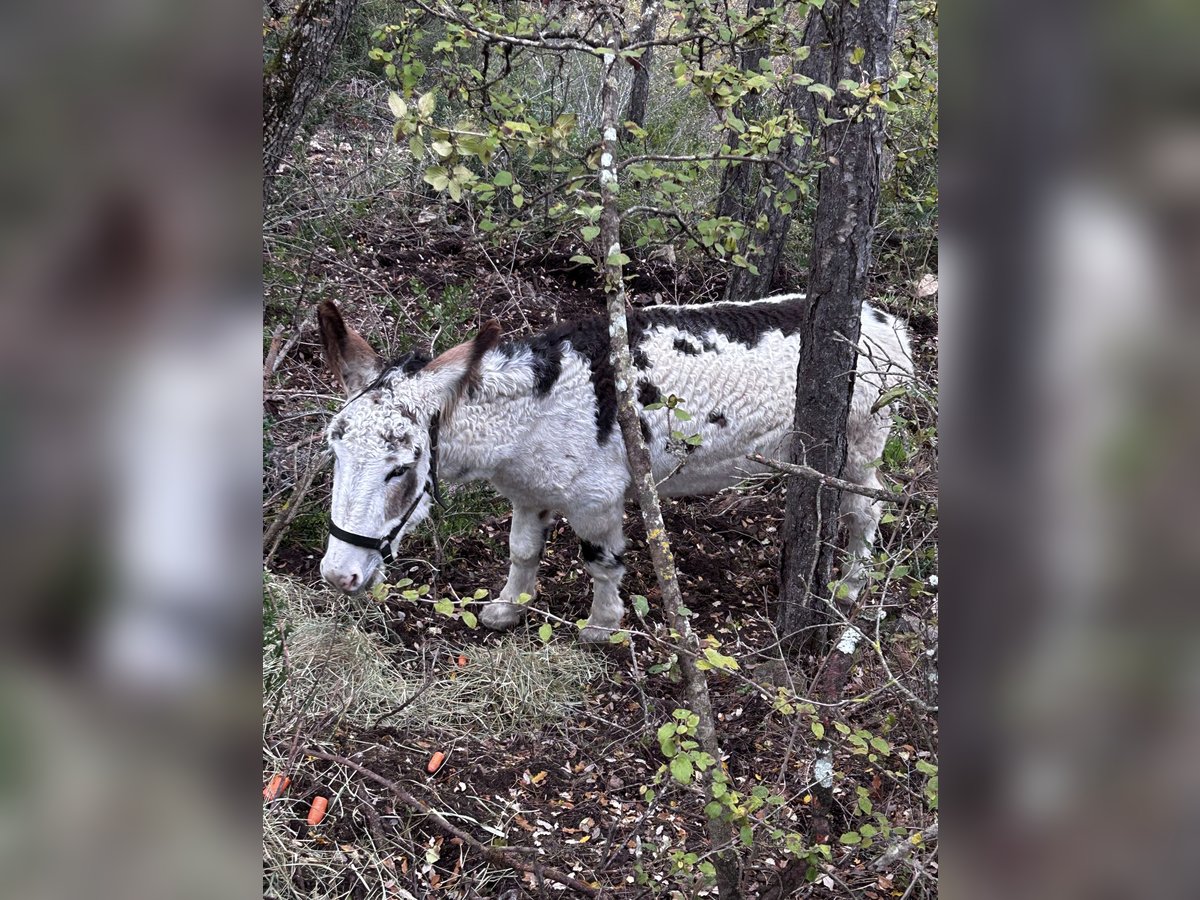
(383,545)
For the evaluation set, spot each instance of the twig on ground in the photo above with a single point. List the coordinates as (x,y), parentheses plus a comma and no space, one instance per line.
(493,855)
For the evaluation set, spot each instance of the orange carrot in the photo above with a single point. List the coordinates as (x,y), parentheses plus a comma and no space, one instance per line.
(275,787)
(317,812)
(462,660)
(435,762)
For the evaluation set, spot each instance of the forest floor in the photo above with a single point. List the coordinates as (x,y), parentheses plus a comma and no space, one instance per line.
(550,748)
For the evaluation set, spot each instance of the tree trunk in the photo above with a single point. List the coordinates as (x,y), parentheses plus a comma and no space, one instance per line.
(639,93)
(296,71)
(733,198)
(720,832)
(774,201)
(848,194)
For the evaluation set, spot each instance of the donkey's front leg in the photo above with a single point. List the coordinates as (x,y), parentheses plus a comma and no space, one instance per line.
(601,543)
(526,539)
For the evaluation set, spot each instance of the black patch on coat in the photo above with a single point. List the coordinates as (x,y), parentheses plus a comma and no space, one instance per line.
(709,346)
(594,553)
(339,430)
(880,316)
(648,392)
(645,428)
(547,364)
(718,418)
(742,324)
(686,346)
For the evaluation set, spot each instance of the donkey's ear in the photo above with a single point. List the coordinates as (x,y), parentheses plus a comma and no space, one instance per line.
(347,352)
(458,368)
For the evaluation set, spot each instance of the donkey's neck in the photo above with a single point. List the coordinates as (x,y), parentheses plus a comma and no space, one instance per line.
(488,423)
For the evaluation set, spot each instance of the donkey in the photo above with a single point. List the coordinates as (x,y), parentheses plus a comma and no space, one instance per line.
(536,417)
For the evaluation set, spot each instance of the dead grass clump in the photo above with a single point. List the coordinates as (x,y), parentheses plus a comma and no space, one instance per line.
(316,665)
(517,684)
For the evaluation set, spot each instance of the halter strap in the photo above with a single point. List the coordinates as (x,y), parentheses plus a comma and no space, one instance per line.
(383,545)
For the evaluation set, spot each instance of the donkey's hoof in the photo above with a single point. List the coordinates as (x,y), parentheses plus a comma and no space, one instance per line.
(499,615)
(595,634)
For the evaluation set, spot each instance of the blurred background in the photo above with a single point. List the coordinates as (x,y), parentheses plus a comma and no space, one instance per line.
(130,426)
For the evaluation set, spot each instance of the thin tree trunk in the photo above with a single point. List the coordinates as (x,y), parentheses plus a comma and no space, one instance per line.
(296,71)
(764,248)
(848,194)
(733,198)
(720,832)
(639,93)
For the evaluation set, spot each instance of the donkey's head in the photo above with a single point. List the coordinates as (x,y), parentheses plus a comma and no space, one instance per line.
(384,442)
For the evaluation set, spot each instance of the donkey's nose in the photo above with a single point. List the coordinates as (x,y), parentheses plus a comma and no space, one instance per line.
(348,580)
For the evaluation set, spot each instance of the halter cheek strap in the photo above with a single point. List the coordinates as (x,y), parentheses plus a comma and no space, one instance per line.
(383,545)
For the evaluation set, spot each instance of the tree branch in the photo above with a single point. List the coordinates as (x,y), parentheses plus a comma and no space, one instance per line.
(837,483)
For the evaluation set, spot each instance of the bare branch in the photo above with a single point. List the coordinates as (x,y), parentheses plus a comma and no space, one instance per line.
(837,483)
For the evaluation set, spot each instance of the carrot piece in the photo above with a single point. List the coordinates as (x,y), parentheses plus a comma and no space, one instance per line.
(275,787)
(435,762)
(462,660)
(317,812)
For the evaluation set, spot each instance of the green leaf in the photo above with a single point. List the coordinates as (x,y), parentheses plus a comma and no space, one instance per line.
(523,598)
(503,179)
(397,105)
(583,258)
(823,89)
(881,745)
(590,232)
(714,810)
(437,177)
(720,660)
(719,789)
(641,605)
(416,146)
(857,54)
(479,594)
(618,259)
(683,415)
(681,769)
(546,632)
(818,730)
(442,148)
(842,728)
(445,606)
(850,837)
(746,833)
(427,104)
(469,619)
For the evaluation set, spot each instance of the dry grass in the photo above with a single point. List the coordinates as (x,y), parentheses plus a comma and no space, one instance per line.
(327,672)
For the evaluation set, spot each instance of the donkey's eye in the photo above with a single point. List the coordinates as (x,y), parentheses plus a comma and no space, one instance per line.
(397,472)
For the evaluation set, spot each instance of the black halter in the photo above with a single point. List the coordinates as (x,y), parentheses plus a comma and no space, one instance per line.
(383,545)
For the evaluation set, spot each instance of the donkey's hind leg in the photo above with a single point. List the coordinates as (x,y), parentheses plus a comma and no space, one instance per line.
(601,543)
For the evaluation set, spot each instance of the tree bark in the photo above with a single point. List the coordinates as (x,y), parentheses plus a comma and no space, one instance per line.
(294,74)
(639,93)
(765,248)
(733,198)
(720,832)
(848,194)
